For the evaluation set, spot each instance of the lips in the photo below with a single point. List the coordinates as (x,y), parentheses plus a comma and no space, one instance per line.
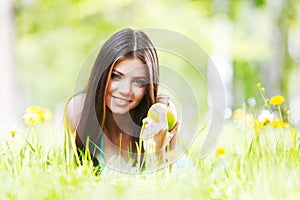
(121,101)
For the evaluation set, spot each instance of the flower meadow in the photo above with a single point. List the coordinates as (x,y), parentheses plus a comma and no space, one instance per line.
(257,157)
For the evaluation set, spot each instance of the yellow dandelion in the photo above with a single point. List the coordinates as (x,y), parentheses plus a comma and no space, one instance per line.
(258,125)
(275,123)
(258,84)
(32,109)
(279,123)
(44,114)
(277,100)
(31,119)
(35,115)
(13,133)
(220,152)
(283,124)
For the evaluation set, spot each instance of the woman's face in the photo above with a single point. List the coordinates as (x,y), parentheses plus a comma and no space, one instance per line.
(126,87)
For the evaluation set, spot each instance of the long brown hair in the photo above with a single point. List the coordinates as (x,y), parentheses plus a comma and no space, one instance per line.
(126,43)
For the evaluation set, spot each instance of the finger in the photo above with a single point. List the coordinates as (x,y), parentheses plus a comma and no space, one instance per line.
(147,120)
(162,116)
(150,130)
(175,128)
(168,138)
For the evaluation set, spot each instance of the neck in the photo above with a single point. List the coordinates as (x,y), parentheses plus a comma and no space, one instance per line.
(115,125)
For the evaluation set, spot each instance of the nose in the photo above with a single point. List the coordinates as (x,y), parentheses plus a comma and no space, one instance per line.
(124,87)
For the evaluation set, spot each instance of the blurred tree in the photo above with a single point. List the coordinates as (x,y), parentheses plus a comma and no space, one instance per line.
(54,37)
(245,72)
(288,16)
(277,65)
(8,97)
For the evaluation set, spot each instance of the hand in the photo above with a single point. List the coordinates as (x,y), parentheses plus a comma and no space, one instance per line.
(155,135)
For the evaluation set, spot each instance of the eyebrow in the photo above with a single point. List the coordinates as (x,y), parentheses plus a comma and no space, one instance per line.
(122,74)
(118,72)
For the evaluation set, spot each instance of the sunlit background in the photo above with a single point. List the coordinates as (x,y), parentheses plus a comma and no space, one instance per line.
(44,44)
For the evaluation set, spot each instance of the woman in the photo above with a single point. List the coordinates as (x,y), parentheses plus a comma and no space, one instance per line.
(108,115)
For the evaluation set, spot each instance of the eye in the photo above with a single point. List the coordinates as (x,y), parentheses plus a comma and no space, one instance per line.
(139,82)
(115,76)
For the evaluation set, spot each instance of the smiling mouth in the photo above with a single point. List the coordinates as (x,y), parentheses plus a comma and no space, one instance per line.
(121,101)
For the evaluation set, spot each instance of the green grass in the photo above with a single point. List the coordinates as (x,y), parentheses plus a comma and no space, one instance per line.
(252,168)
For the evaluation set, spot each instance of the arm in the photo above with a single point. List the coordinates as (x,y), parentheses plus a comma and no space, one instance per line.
(158,141)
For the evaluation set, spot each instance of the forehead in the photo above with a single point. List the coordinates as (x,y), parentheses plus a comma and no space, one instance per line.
(132,66)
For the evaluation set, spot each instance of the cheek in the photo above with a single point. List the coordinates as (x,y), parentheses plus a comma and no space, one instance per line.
(140,93)
(112,85)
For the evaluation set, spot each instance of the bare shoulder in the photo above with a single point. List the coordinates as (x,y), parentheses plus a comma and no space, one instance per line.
(74,109)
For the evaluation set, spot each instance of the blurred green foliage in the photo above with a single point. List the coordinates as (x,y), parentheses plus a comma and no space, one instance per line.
(55,37)
(245,72)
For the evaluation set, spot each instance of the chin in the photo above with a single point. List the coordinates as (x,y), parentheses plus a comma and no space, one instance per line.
(120,112)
